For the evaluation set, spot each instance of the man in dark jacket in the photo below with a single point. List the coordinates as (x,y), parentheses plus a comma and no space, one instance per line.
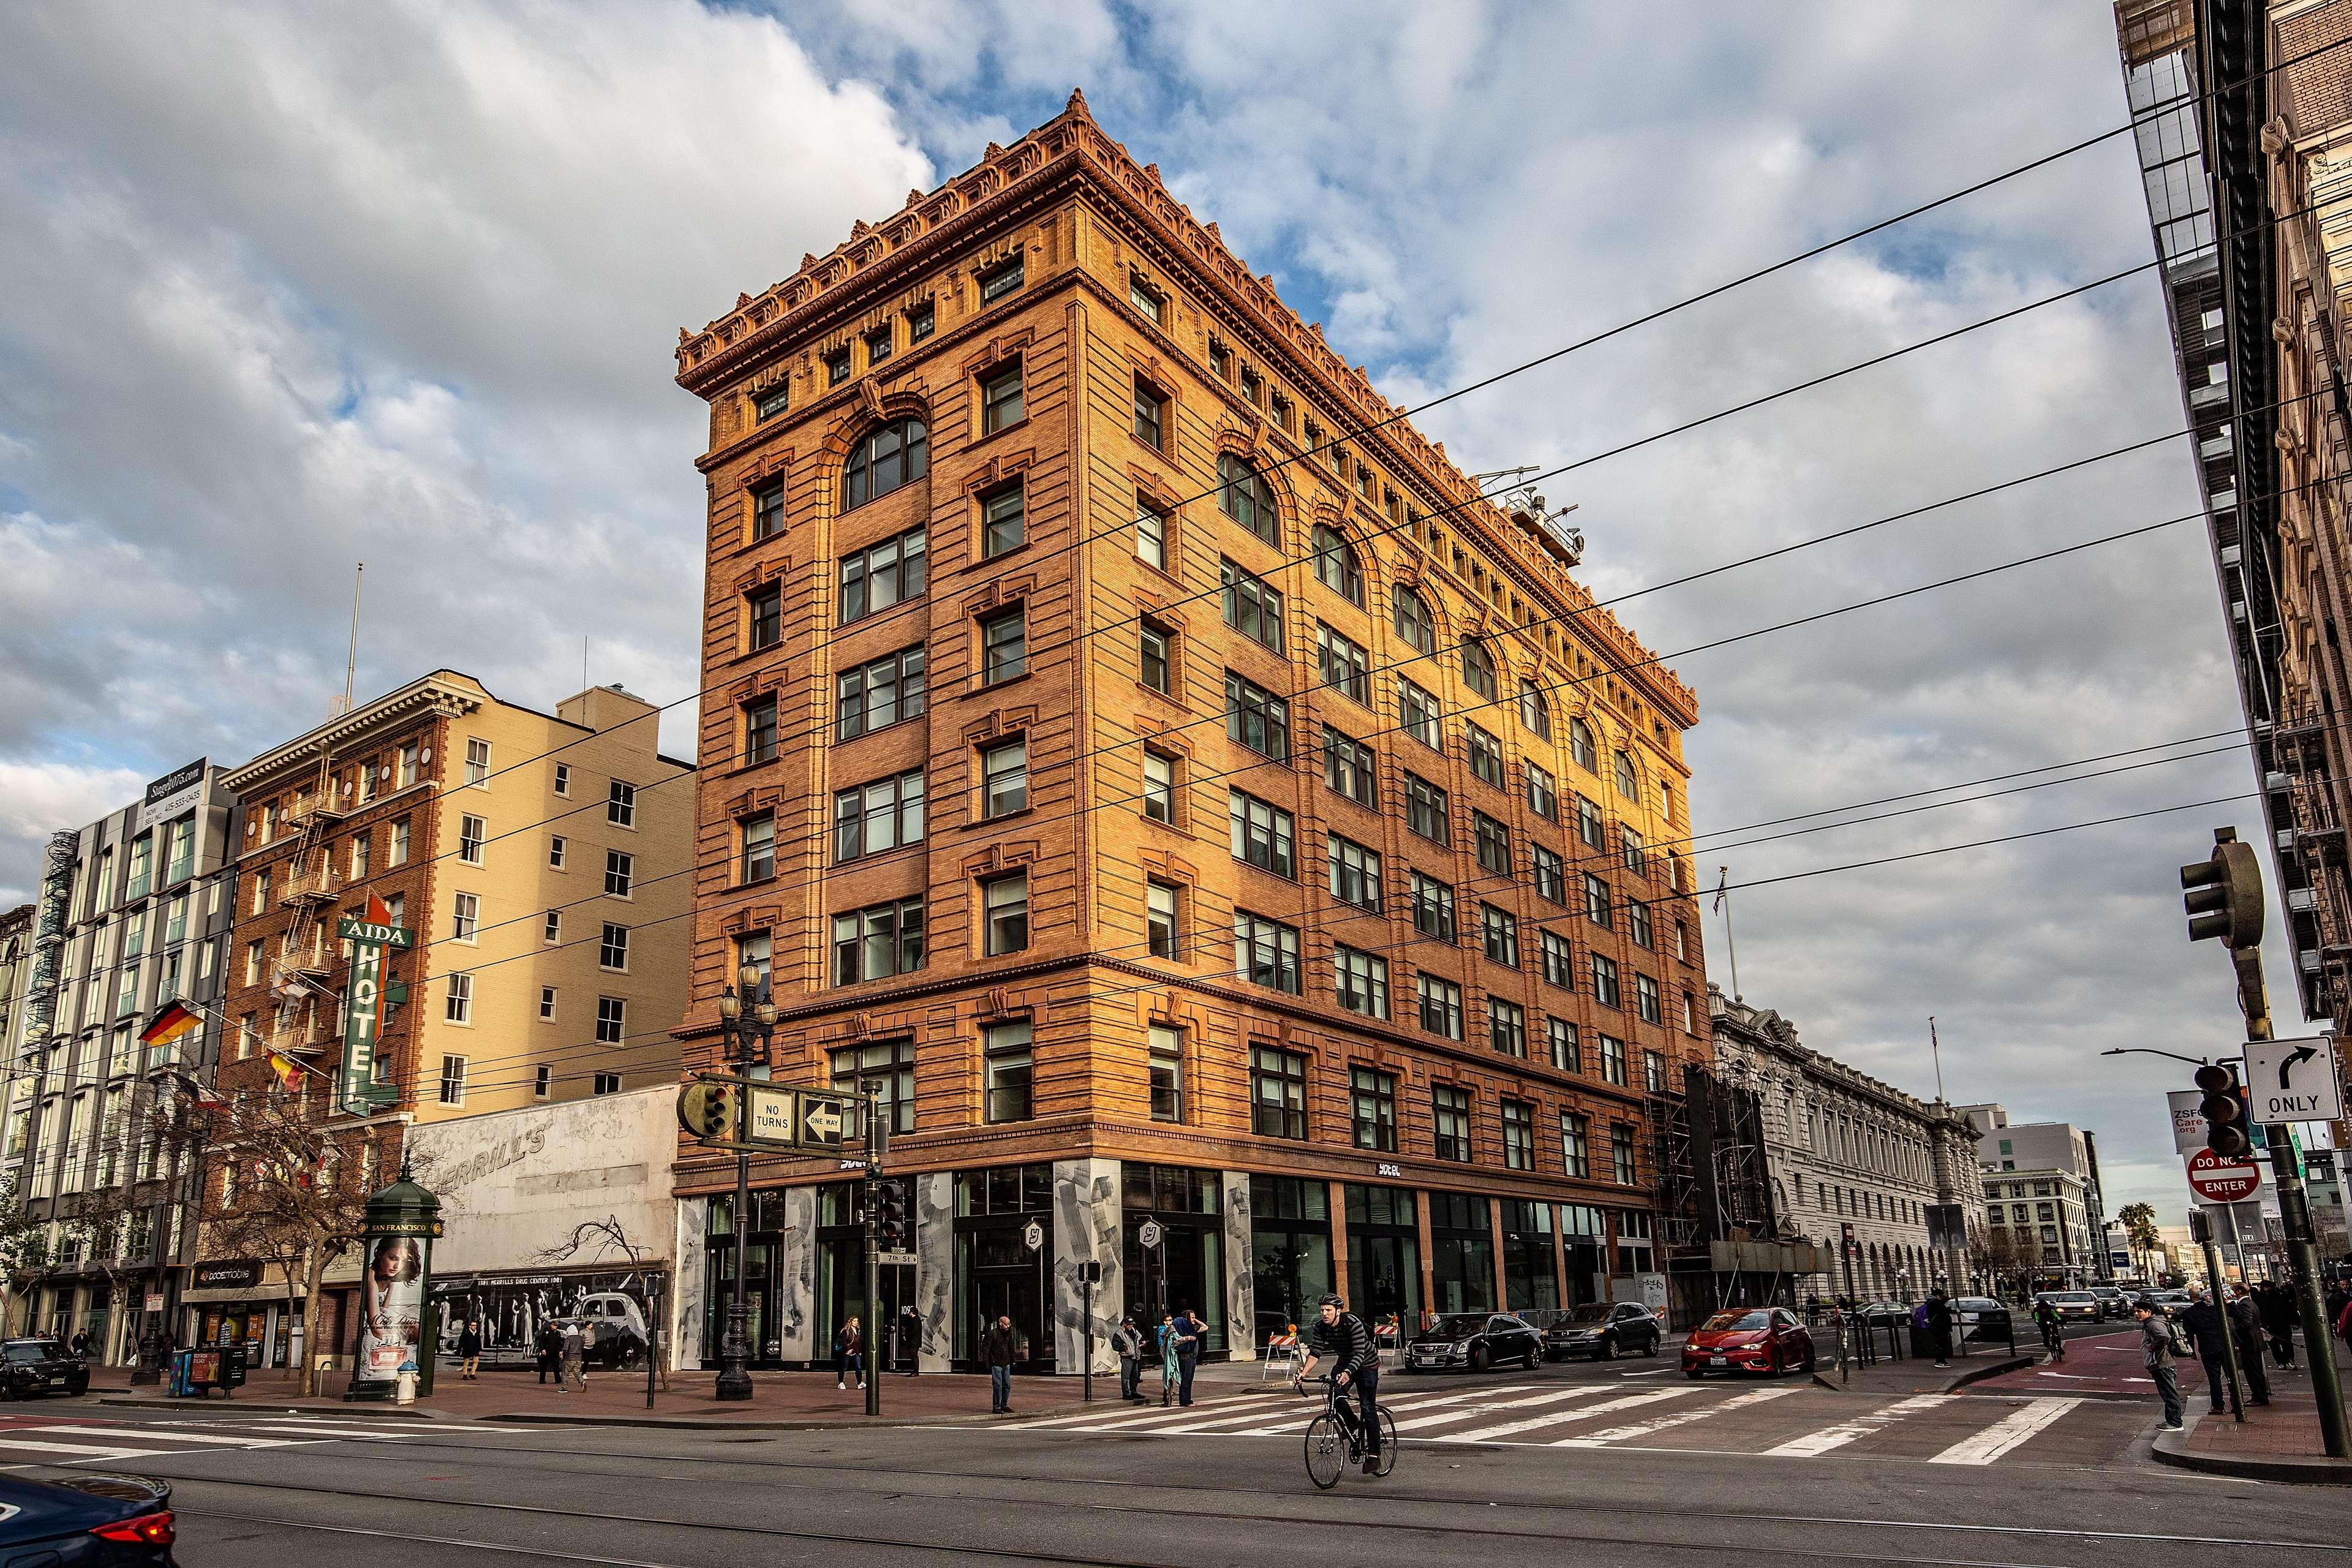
(1355,1366)
(1000,1348)
(1191,1335)
(2155,1354)
(2276,1304)
(469,1352)
(1939,1326)
(549,1346)
(2246,1324)
(2203,1322)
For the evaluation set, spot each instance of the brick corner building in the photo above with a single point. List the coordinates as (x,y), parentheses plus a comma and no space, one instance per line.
(1128,743)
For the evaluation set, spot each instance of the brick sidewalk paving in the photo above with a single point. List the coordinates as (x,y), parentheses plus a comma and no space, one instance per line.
(2283,1434)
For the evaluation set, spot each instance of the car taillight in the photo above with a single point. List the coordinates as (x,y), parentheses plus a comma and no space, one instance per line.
(143,1530)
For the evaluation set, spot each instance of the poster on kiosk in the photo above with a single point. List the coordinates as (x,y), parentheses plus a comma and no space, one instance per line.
(396,1283)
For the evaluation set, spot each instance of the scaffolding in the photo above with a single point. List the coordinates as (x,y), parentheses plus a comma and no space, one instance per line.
(1716,1221)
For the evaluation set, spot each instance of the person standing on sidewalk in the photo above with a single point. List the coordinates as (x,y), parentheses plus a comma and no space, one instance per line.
(2155,1354)
(549,1347)
(1191,1333)
(1168,1372)
(569,1376)
(2276,1304)
(2203,1320)
(2246,1322)
(469,1352)
(848,1354)
(1001,1348)
(1939,1326)
(1128,1345)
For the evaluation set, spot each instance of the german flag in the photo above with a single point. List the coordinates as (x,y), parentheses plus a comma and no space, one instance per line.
(171,1022)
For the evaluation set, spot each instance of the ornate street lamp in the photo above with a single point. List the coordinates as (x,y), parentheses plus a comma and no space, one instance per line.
(737,1035)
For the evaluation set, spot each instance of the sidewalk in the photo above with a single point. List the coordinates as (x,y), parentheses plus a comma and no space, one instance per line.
(1914,1374)
(779,1399)
(2276,1442)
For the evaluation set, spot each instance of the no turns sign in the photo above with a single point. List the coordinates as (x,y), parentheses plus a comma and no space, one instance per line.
(2221,1179)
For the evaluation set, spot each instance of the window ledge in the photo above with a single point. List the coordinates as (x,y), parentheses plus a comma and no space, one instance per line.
(1001,818)
(1001,430)
(1001,683)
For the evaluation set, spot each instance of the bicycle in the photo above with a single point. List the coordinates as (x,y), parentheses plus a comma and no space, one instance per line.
(1334,1438)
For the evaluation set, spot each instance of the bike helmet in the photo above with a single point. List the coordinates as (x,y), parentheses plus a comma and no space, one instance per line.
(1330,1301)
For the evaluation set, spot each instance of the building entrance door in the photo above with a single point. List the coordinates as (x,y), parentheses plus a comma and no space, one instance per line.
(1017,1295)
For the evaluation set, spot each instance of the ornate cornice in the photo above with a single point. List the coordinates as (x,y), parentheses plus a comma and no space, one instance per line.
(433,695)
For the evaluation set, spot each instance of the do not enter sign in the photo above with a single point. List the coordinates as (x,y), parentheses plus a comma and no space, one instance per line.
(2221,1179)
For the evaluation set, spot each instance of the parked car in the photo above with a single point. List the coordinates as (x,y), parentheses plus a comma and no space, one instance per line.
(1980,1318)
(1473,1341)
(2112,1301)
(1878,1312)
(1766,1340)
(86,1522)
(1603,1331)
(2074,1306)
(616,1326)
(28,1367)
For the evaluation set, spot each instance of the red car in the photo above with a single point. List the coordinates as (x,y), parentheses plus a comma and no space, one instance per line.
(1768,1340)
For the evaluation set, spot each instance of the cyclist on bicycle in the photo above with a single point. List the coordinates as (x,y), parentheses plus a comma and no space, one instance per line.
(2045,1317)
(1354,1363)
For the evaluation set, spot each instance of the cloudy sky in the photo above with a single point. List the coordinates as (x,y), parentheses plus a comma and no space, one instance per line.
(287,287)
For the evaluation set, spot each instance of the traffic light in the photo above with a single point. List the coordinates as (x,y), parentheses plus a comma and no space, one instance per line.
(890,1215)
(2224,1111)
(707,1109)
(2223,895)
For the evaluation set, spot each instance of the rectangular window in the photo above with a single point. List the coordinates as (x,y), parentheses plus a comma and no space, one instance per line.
(1450,1123)
(1371,1109)
(612,1013)
(1162,924)
(1493,842)
(1159,786)
(1637,855)
(621,805)
(1343,664)
(478,763)
(1604,982)
(1486,756)
(1425,809)
(1417,715)
(1637,922)
(453,1080)
(396,850)
(1150,535)
(1432,907)
(1166,1051)
(764,611)
(1265,952)
(1151,416)
(1518,1135)
(1589,826)
(1251,607)
(1596,900)
(360,846)
(542,1080)
(1004,914)
(1006,1062)
(1645,1000)
(1621,1153)
(1152,652)
(920,322)
(1003,280)
(1441,1006)
(759,858)
(1360,981)
(877,695)
(1654,1071)
(1551,875)
(547,1003)
(1004,646)
(767,512)
(556,845)
(465,917)
(770,403)
(1575,1146)
(1500,930)
(885,574)
(1004,777)
(1354,872)
(1543,795)
(1262,834)
(1256,717)
(1348,768)
(759,731)
(608,1083)
(1559,1038)
(877,346)
(554,928)
(613,947)
(1278,1093)
(1507,1027)
(620,873)
(1558,969)
(1003,522)
(404,766)
(836,366)
(1144,301)
(1000,401)
(1612,1060)
(877,943)
(889,1068)
(457,1001)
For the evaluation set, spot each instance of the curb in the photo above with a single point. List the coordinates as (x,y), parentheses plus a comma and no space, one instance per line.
(1974,1374)
(2172,1448)
(267,1408)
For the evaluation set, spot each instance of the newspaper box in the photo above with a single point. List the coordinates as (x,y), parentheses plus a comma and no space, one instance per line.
(196,1373)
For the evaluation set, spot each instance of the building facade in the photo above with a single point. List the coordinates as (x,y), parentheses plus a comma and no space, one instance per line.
(2045,1215)
(1844,1149)
(133,913)
(537,857)
(1135,750)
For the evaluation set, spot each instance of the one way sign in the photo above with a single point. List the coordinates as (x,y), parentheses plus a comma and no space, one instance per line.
(2293,1080)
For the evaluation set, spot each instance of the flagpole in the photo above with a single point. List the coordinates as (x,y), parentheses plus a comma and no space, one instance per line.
(1723,907)
(1936,1049)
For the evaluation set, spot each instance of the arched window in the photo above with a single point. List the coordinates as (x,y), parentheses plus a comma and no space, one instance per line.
(1534,712)
(1414,623)
(1335,566)
(891,456)
(1244,495)
(1626,785)
(1580,745)
(1479,669)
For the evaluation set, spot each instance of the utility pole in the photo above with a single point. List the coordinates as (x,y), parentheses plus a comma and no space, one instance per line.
(2200,1230)
(869,1101)
(737,1033)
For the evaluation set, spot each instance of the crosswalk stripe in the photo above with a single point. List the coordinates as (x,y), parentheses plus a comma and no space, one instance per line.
(1629,1402)
(1474,1412)
(150,1434)
(1843,1432)
(313,1430)
(2005,1434)
(1626,1434)
(80,1450)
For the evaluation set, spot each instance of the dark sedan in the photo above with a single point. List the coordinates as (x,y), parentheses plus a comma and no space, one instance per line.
(40,1366)
(1603,1331)
(86,1522)
(1473,1341)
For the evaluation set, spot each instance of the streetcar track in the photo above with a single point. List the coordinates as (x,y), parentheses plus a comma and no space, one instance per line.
(410,1535)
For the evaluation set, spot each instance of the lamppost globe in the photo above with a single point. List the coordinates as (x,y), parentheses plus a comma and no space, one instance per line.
(730,1007)
(748,977)
(765,1012)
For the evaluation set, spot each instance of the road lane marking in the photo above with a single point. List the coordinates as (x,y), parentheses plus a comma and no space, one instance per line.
(1479,1412)
(1626,1402)
(2005,1434)
(152,1435)
(1626,1434)
(80,1450)
(1843,1432)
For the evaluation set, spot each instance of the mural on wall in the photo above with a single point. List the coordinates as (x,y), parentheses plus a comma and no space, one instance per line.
(512,1308)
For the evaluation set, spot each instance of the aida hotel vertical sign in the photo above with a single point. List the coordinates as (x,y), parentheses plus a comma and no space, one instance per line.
(371,937)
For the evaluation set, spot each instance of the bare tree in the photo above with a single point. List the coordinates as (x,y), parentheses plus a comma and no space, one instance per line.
(609,1235)
(24,1245)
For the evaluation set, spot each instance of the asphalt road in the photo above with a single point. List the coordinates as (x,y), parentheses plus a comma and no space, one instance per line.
(1619,1462)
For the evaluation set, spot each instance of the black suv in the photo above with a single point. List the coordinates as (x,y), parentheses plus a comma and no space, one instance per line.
(40,1366)
(1603,1331)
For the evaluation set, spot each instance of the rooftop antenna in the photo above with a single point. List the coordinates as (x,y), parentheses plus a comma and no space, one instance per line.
(583,663)
(1936,1049)
(351,660)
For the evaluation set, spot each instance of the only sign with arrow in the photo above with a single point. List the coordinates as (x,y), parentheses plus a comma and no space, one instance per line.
(2293,1080)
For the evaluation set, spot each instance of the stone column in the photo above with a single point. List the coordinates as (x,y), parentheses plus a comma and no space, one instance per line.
(688,1283)
(1241,1285)
(790,1318)
(1559,1251)
(1339,1203)
(1087,1225)
(1495,1254)
(1428,1259)
(935,1267)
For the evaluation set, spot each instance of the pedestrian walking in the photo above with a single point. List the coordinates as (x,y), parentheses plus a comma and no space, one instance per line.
(1000,1348)
(548,1348)
(1939,1326)
(588,1336)
(574,1377)
(2275,1303)
(1168,1368)
(469,1352)
(1190,1334)
(1128,1345)
(848,1354)
(2155,1353)
(2246,1323)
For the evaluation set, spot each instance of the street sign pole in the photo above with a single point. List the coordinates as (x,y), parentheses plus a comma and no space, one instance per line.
(870,1105)
(2201,1226)
(2295,1218)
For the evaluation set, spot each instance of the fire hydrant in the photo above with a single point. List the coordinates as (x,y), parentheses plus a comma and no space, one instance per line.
(405,1382)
